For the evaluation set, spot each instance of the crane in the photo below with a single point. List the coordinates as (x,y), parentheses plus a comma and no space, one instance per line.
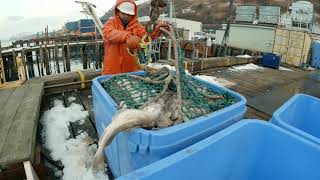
(88,8)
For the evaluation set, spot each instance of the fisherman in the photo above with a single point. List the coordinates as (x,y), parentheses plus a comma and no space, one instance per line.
(123,33)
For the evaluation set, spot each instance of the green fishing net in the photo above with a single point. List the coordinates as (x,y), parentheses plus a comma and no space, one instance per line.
(198,98)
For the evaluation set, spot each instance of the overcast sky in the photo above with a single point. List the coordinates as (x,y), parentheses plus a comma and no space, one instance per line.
(31,16)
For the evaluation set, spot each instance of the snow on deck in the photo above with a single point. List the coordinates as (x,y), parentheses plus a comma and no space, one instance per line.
(215,80)
(244,56)
(246,67)
(285,69)
(76,154)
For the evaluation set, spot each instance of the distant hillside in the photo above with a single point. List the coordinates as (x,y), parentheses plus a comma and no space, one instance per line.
(214,11)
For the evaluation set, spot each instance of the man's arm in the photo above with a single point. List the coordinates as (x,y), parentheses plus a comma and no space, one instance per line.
(113,35)
(141,30)
(156,32)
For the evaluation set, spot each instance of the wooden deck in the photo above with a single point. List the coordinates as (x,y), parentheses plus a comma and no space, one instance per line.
(19,116)
(253,84)
(20,107)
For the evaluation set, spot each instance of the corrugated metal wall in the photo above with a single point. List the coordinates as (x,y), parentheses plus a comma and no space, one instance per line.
(72,26)
(81,26)
(251,37)
(218,36)
(292,46)
(256,38)
(86,26)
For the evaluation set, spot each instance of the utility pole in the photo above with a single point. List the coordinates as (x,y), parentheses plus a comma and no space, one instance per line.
(171,11)
(2,67)
(227,31)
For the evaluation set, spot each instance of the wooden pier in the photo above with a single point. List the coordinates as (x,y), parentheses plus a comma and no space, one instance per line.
(52,56)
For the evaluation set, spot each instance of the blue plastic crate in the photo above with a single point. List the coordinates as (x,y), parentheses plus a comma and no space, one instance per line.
(132,150)
(247,150)
(315,59)
(300,115)
(270,60)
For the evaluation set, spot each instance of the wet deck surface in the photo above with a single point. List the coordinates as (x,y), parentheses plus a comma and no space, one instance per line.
(270,101)
(19,114)
(267,89)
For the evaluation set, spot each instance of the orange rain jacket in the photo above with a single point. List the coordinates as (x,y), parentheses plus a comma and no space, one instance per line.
(116,57)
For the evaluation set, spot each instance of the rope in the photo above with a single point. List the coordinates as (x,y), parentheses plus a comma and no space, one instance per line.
(82,79)
(154,14)
(140,57)
(195,98)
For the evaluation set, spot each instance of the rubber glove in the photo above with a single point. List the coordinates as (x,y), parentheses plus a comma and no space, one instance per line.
(133,42)
(156,31)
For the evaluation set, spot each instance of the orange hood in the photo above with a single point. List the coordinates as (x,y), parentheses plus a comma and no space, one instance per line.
(134,19)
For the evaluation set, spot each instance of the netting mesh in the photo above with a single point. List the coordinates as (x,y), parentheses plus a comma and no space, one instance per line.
(198,98)
(131,92)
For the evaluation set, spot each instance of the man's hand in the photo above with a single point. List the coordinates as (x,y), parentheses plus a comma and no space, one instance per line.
(162,25)
(133,42)
(156,31)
